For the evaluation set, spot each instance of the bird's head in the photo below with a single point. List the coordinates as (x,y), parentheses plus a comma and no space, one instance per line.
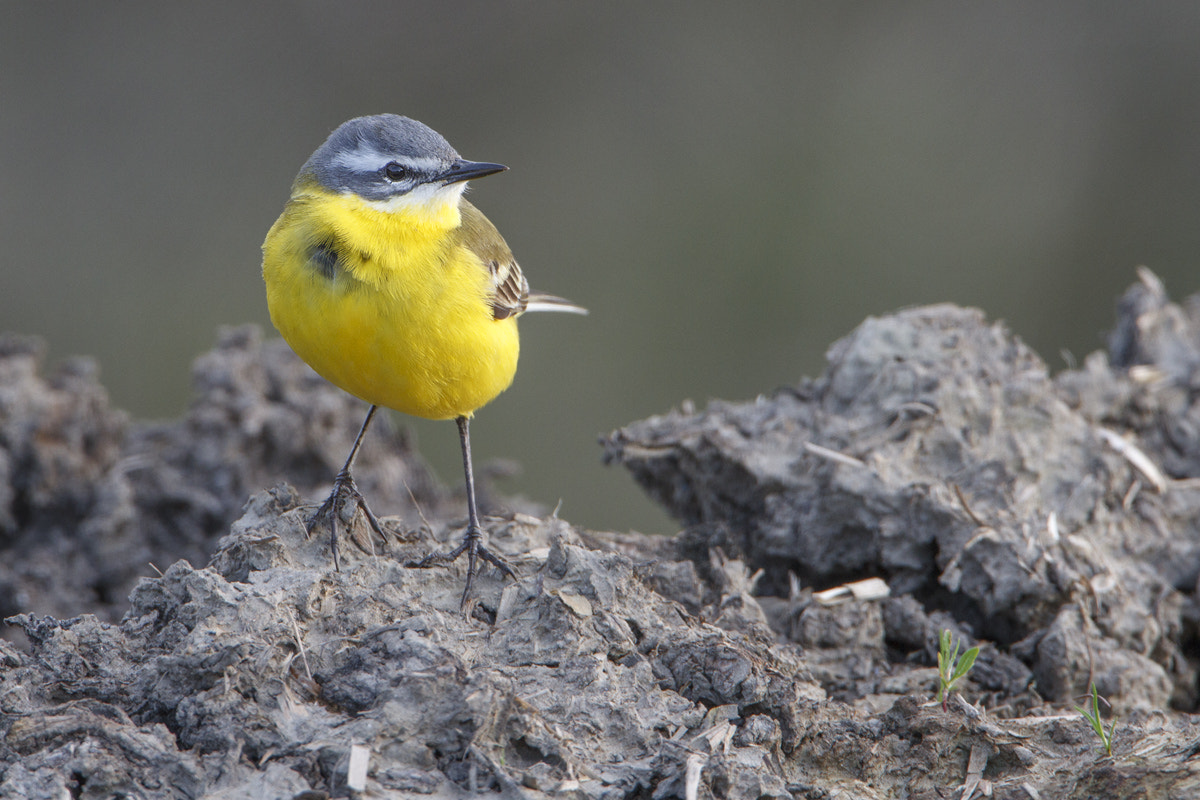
(393,163)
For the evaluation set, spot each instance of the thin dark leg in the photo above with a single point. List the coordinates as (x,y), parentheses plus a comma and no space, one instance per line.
(345,491)
(464,437)
(471,539)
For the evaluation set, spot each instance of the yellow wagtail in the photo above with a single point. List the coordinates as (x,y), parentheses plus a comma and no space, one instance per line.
(393,287)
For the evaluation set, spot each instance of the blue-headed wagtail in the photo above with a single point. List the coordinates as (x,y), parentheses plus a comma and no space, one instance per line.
(396,289)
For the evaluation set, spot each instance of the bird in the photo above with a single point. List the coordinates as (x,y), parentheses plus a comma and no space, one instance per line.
(392,286)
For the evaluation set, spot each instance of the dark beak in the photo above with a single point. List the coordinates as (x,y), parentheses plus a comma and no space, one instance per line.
(463,170)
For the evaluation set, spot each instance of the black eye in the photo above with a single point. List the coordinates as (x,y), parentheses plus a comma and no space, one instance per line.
(395,171)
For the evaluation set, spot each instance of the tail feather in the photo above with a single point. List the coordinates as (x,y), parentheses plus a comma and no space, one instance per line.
(548,302)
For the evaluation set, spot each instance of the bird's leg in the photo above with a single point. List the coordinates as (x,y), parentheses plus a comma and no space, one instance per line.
(471,543)
(346,492)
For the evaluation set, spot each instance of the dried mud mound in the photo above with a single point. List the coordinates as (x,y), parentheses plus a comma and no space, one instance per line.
(1059,519)
(258,673)
(88,498)
(1053,521)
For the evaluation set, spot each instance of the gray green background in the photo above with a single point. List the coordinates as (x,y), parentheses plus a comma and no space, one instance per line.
(728,186)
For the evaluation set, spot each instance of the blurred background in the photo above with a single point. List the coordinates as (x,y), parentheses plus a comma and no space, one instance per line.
(729,187)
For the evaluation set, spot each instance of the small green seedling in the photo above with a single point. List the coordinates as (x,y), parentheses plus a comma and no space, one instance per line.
(951,666)
(1092,715)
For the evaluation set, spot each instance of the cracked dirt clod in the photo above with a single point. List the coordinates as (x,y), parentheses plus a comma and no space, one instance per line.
(89,499)
(294,662)
(968,478)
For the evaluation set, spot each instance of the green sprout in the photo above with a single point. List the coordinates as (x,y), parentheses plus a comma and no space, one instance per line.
(951,666)
(1092,715)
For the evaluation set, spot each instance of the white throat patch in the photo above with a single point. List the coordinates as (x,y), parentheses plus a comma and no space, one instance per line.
(428,198)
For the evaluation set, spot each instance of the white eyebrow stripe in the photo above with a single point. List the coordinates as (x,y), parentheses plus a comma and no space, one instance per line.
(368,159)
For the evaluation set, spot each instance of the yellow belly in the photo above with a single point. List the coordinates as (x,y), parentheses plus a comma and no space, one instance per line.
(406,325)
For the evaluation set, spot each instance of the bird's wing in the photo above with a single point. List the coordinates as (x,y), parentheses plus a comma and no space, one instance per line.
(510,290)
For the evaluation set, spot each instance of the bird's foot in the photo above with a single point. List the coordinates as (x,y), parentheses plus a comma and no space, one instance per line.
(344,498)
(473,547)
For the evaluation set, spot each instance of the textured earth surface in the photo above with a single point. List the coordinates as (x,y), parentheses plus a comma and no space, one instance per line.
(1053,521)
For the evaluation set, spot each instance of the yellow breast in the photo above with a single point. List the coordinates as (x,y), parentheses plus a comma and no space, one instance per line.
(392,306)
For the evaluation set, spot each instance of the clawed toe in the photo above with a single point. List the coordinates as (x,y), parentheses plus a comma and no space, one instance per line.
(473,547)
(345,496)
